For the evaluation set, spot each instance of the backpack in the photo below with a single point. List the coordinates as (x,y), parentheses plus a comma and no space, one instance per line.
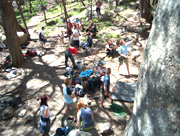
(90,86)
(97,82)
(40,35)
(62,131)
(79,91)
(87,43)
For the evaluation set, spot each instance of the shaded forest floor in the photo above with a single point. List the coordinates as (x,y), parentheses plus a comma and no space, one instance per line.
(45,74)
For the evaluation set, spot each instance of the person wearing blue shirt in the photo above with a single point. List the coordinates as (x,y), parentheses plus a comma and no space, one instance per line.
(123,54)
(68,98)
(106,87)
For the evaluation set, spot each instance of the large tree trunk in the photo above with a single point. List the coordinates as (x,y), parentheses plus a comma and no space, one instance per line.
(65,13)
(156,109)
(7,19)
(145,9)
(43,8)
(22,16)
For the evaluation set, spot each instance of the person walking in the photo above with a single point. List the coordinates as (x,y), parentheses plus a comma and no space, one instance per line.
(106,87)
(68,54)
(123,54)
(68,98)
(45,117)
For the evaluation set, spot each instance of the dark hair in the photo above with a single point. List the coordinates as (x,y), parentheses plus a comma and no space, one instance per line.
(44,100)
(108,71)
(42,28)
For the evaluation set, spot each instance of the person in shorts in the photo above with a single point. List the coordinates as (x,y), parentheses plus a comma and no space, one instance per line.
(42,37)
(106,87)
(68,98)
(123,54)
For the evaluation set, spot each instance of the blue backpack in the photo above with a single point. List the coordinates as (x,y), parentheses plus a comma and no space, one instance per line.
(62,131)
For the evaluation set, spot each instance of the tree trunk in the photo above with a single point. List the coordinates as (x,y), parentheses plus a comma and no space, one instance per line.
(30,6)
(44,11)
(91,10)
(7,19)
(83,3)
(156,109)
(65,13)
(22,16)
(154,2)
(145,9)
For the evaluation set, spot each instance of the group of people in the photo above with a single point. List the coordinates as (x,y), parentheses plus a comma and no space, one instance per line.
(83,116)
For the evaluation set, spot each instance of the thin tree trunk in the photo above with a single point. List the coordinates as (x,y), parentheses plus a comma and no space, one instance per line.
(91,10)
(65,13)
(44,11)
(22,16)
(83,3)
(30,6)
(7,19)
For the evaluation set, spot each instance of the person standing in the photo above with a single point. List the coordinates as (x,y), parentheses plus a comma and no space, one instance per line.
(106,87)
(68,54)
(98,7)
(45,117)
(85,118)
(68,98)
(42,37)
(70,26)
(76,34)
(123,54)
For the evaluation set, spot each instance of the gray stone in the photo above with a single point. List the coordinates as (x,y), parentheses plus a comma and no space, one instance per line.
(104,128)
(158,88)
(22,113)
(27,118)
(76,132)
(7,113)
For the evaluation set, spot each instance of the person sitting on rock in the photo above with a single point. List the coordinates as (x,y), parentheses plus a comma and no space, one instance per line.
(111,47)
(85,118)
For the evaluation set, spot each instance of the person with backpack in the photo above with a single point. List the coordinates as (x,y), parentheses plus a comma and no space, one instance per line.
(85,118)
(68,54)
(42,37)
(68,98)
(45,117)
(106,87)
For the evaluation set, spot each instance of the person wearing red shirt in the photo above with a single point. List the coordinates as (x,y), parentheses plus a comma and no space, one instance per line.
(68,54)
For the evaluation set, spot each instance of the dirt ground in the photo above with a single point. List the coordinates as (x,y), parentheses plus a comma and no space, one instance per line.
(45,75)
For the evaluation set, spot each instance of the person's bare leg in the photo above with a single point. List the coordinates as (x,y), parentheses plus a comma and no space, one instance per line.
(75,115)
(127,65)
(118,68)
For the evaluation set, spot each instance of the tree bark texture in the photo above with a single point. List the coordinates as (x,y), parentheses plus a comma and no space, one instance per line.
(145,9)
(65,12)
(24,21)
(156,109)
(7,19)
(44,11)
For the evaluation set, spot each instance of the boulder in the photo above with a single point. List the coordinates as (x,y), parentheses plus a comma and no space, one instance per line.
(104,128)
(106,17)
(7,113)
(27,118)
(22,113)
(76,132)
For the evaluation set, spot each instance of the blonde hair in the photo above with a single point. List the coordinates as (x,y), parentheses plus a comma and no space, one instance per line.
(121,41)
(80,105)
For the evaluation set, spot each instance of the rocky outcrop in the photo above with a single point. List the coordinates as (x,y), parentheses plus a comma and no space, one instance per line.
(156,109)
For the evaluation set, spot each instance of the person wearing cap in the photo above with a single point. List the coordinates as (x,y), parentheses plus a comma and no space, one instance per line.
(68,54)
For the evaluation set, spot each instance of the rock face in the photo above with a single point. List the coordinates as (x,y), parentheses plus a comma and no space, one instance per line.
(156,108)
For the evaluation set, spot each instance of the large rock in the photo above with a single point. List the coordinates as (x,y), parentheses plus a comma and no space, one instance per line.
(22,38)
(104,128)
(157,101)
(106,17)
(7,113)
(76,132)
